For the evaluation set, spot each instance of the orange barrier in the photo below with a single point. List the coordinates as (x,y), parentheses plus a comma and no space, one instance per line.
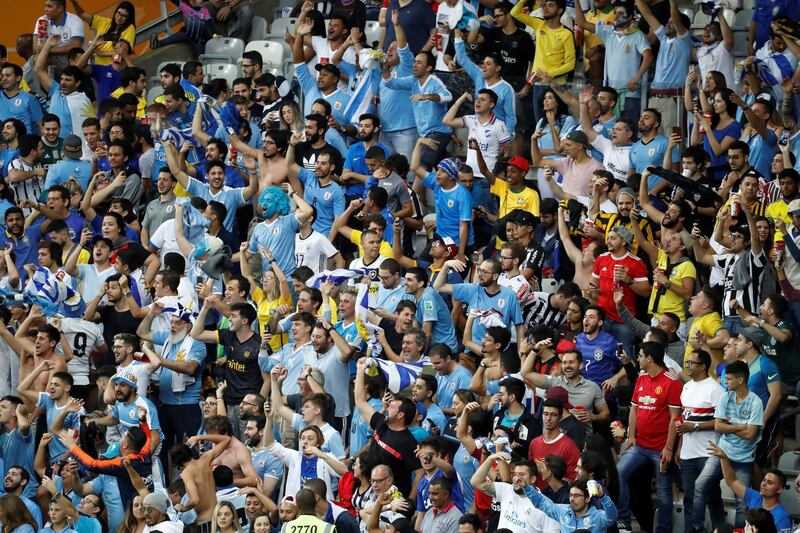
(23,17)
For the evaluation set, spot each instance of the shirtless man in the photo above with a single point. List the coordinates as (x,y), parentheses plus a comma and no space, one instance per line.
(197,475)
(43,348)
(582,259)
(271,161)
(236,456)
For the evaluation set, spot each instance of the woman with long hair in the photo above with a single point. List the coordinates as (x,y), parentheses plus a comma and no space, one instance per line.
(572,326)
(260,523)
(14,515)
(355,487)
(717,131)
(274,291)
(555,123)
(225,519)
(120,27)
(290,117)
(134,517)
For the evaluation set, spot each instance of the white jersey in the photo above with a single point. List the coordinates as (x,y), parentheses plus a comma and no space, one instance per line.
(518,514)
(616,159)
(699,400)
(142,374)
(83,337)
(518,284)
(491,135)
(372,272)
(716,57)
(313,251)
(30,189)
(163,239)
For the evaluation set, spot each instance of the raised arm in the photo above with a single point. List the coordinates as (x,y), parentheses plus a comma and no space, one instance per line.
(450,118)
(40,65)
(580,19)
(197,126)
(585,120)
(360,392)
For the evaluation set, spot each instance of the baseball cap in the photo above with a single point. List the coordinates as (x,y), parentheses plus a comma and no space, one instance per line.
(73,147)
(623,232)
(519,162)
(157,500)
(794,206)
(754,334)
(579,137)
(446,242)
(330,67)
(628,191)
(558,393)
(111,452)
(523,218)
(421,409)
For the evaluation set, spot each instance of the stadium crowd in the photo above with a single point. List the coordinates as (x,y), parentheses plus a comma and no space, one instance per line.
(505,268)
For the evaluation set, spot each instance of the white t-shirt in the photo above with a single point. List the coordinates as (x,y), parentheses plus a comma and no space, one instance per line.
(616,159)
(445,15)
(324,53)
(83,336)
(518,284)
(518,514)
(313,251)
(716,57)
(92,280)
(490,135)
(163,238)
(699,400)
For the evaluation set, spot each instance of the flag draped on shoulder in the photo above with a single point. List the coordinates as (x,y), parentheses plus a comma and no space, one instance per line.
(364,327)
(398,375)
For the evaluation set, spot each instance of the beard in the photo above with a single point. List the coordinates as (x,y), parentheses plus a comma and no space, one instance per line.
(520,491)
(313,138)
(176,338)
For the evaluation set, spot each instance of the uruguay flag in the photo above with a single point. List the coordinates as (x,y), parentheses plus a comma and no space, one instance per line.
(337,277)
(367,87)
(397,375)
(53,293)
(775,69)
(366,329)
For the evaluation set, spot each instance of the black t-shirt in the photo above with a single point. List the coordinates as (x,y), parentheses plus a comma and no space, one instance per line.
(116,322)
(242,373)
(574,429)
(394,339)
(516,51)
(305,155)
(395,449)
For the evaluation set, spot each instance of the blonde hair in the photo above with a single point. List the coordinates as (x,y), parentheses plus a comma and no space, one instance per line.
(237,526)
(316,431)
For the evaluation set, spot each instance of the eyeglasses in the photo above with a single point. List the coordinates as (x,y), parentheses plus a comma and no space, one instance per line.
(484,271)
(148,509)
(248,403)
(506,258)
(576,495)
(245,65)
(689,362)
(381,480)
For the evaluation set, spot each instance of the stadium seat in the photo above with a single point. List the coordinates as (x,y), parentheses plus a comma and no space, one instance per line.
(154,92)
(281,12)
(790,498)
(740,43)
(259,29)
(789,463)
(229,71)
(222,49)
(700,20)
(280,26)
(274,54)
(287,3)
(688,11)
(373,32)
(742,20)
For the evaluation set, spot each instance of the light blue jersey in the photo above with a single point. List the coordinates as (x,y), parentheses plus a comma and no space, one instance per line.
(643,155)
(459,378)
(191,392)
(762,151)
(267,465)
(623,55)
(106,487)
(51,412)
(672,62)
(308,83)
(22,106)
(750,412)
(17,449)
(505,302)
(506,95)
(395,107)
(292,358)
(360,432)
(328,200)
(71,109)
(428,114)
(389,298)
(452,207)
(278,236)
(128,414)
(337,378)
(431,308)
(231,198)
(65,169)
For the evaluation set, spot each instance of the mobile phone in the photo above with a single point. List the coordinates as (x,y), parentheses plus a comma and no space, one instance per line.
(476,257)
(676,130)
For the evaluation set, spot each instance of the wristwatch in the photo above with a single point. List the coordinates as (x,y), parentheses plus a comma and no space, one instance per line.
(696,427)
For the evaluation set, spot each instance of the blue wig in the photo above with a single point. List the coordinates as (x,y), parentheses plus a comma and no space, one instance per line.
(273,200)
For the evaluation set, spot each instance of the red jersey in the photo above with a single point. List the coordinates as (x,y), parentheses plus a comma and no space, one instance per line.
(561,446)
(603,274)
(653,397)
